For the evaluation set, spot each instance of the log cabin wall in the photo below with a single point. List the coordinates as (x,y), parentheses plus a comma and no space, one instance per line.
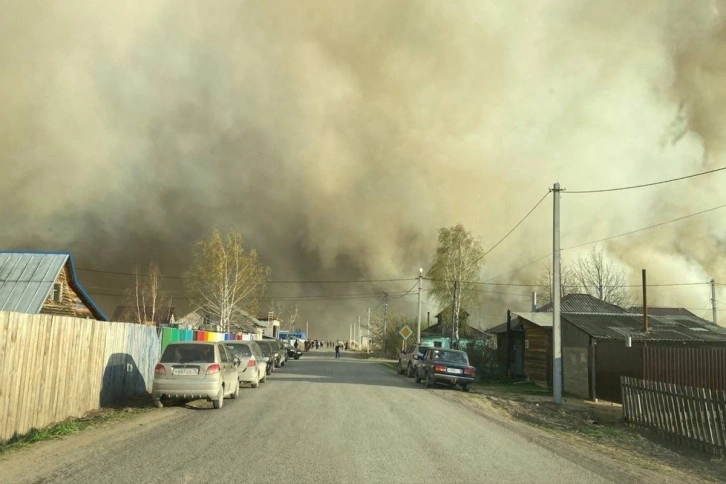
(69,303)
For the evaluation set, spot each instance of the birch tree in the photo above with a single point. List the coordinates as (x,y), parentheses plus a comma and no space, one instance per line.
(455,271)
(224,278)
(146,297)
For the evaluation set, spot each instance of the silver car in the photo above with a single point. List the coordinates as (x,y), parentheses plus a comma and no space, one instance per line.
(196,369)
(253,367)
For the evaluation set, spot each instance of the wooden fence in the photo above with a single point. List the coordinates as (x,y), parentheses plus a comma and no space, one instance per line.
(693,416)
(55,367)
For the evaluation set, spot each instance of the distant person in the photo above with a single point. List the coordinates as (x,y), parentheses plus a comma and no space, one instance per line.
(337,350)
(295,344)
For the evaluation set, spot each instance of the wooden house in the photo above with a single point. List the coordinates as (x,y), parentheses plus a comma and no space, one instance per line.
(44,283)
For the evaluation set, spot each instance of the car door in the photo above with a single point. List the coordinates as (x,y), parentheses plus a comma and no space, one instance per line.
(421,369)
(403,359)
(229,371)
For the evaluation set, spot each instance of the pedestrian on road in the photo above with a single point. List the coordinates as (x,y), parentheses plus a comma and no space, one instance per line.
(337,350)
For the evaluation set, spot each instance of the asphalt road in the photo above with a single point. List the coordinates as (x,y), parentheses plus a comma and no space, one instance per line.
(317,420)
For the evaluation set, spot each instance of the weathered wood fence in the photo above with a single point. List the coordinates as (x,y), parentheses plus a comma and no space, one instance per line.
(692,416)
(55,367)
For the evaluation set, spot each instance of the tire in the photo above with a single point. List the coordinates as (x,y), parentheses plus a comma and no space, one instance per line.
(264,378)
(418,378)
(219,401)
(429,381)
(235,393)
(256,383)
(297,357)
(157,403)
(399,370)
(409,371)
(465,388)
(283,363)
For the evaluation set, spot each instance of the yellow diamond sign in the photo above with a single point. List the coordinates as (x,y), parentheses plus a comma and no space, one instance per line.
(405,332)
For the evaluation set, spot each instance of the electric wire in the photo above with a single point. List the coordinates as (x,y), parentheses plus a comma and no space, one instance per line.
(646,184)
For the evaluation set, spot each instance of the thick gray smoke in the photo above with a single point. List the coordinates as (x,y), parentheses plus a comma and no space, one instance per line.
(339,136)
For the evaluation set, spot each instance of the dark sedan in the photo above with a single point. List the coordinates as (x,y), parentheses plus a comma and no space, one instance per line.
(450,367)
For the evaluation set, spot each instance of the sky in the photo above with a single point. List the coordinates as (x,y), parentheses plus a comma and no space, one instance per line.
(339,137)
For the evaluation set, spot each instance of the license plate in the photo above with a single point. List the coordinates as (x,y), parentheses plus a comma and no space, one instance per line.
(455,371)
(185,371)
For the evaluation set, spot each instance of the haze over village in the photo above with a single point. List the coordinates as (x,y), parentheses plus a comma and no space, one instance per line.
(338,138)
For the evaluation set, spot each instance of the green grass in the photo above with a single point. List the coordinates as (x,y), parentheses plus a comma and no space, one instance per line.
(519,388)
(61,429)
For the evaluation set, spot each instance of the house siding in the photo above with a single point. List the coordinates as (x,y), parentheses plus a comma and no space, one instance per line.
(70,304)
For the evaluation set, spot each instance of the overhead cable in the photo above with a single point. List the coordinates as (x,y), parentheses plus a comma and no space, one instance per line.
(645,184)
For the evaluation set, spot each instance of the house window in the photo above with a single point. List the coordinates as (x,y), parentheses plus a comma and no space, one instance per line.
(57,292)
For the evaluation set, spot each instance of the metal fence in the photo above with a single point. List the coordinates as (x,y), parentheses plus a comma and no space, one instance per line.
(702,366)
(695,417)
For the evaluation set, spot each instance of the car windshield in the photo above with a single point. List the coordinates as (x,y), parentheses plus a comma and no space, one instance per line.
(240,350)
(188,353)
(265,348)
(452,356)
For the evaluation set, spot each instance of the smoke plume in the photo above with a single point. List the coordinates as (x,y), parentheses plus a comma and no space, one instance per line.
(339,136)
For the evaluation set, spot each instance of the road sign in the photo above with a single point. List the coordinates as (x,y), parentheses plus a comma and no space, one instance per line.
(405,332)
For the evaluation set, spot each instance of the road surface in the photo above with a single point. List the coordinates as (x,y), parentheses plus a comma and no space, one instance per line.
(317,420)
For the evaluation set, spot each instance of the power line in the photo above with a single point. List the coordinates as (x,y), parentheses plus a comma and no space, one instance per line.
(515,227)
(646,228)
(334,281)
(646,184)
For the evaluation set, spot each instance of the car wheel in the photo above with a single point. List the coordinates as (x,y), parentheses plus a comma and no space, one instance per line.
(235,394)
(429,381)
(219,401)
(297,357)
(256,383)
(418,378)
(399,370)
(465,388)
(157,403)
(264,377)
(409,371)
(283,363)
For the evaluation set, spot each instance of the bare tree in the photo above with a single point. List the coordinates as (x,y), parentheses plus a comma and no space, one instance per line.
(455,271)
(225,279)
(590,274)
(601,278)
(568,282)
(146,296)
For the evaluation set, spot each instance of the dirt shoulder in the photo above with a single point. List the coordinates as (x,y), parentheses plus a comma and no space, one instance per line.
(111,426)
(599,427)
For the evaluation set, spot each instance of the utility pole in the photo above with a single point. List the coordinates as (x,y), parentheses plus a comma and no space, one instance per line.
(385,320)
(360,338)
(454,317)
(556,336)
(713,302)
(418,320)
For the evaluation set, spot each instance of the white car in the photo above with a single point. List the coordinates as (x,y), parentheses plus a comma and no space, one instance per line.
(196,369)
(252,368)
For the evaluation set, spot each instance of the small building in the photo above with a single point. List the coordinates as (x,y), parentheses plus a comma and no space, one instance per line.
(44,283)
(268,326)
(597,349)
(524,347)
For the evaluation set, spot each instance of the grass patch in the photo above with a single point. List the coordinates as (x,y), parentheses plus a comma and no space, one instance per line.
(518,388)
(67,427)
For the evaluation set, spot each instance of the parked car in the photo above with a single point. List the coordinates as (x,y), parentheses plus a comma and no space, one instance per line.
(196,369)
(253,367)
(268,353)
(282,352)
(293,351)
(446,366)
(410,358)
(276,359)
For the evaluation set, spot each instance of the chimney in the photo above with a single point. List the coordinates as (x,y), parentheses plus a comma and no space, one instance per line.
(645,305)
(534,301)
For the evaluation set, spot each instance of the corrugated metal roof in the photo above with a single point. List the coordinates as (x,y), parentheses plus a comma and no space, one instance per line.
(540,319)
(26,279)
(617,326)
(583,303)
